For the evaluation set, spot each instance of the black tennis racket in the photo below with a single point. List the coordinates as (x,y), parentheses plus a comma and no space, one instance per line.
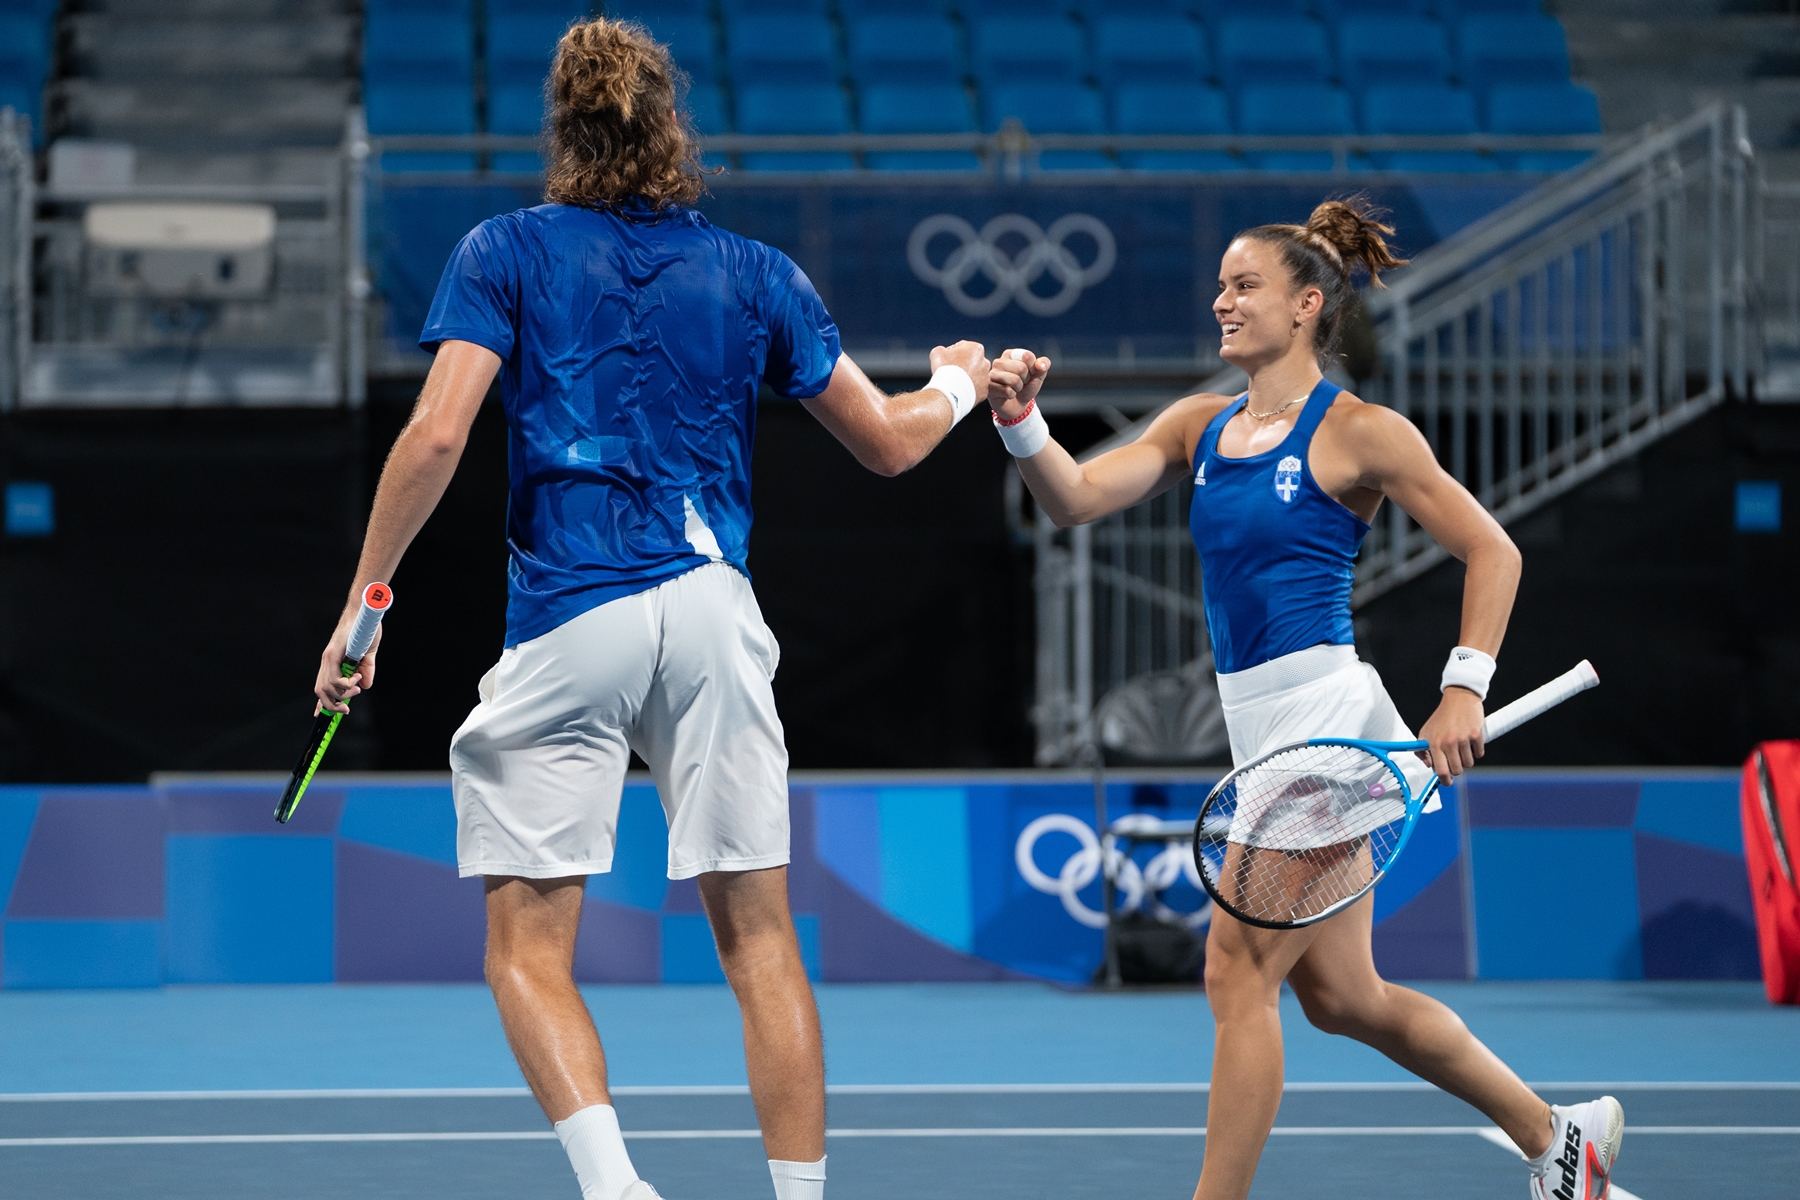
(1306,830)
(376,599)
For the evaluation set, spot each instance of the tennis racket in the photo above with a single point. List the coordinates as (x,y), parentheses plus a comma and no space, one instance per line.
(1306,830)
(377,598)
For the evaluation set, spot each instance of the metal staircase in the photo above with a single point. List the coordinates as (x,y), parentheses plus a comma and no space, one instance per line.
(1559,335)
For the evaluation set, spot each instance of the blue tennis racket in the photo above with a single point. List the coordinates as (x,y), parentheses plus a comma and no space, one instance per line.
(1306,830)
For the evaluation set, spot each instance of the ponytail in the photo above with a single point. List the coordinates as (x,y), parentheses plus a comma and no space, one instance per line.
(1341,236)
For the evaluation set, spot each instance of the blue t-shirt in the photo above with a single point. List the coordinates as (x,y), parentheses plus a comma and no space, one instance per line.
(634,344)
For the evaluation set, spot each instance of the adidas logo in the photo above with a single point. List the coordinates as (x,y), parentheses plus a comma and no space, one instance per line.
(1463,656)
(1200,476)
(1570,1162)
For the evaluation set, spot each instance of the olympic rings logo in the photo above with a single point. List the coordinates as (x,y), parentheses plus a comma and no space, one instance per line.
(979,253)
(1083,867)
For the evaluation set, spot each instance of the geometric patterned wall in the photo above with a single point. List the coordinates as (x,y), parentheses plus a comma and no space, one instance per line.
(1569,875)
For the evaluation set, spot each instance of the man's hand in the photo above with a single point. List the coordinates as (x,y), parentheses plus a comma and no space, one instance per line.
(970,356)
(333,687)
(1455,733)
(1015,381)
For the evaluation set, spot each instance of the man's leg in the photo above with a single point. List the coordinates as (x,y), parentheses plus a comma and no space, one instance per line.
(1244,969)
(782,1043)
(1336,984)
(530,965)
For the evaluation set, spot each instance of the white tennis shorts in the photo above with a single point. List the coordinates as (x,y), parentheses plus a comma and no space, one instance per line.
(679,673)
(1319,692)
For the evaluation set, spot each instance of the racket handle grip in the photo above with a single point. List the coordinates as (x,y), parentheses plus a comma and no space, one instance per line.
(1538,701)
(377,598)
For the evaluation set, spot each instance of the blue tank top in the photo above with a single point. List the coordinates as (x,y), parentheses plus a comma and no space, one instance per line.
(1277,554)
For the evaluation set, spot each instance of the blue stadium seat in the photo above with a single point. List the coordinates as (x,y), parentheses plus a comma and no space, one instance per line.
(1424,109)
(1051,108)
(904,50)
(1341,10)
(569,10)
(651,11)
(763,8)
(691,41)
(417,49)
(918,108)
(43,10)
(1215,11)
(1097,10)
(794,108)
(1374,50)
(1294,109)
(893,8)
(1141,49)
(1511,49)
(439,109)
(520,46)
(516,110)
(706,106)
(1455,10)
(781,49)
(981,10)
(1028,48)
(1255,50)
(1545,108)
(24,48)
(1190,108)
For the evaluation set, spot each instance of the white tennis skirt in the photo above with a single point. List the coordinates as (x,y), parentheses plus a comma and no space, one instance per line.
(679,673)
(1320,692)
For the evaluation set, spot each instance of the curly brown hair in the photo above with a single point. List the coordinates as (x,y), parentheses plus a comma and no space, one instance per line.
(616,128)
(1340,236)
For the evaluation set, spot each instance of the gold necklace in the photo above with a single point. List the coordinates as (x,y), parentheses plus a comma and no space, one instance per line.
(1273,413)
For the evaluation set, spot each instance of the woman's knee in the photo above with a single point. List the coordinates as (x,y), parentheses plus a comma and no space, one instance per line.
(1347,1012)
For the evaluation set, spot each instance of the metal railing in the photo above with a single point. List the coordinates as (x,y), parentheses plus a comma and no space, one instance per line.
(1533,349)
(1013,151)
(15,253)
(301,342)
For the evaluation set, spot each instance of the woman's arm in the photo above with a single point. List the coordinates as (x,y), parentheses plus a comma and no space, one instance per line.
(891,434)
(418,470)
(1074,493)
(1395,459)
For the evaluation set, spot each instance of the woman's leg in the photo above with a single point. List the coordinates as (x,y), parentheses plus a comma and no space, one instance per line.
(1338,988)
(1244,969)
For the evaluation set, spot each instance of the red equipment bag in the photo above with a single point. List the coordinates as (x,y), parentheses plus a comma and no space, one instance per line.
(1771,804)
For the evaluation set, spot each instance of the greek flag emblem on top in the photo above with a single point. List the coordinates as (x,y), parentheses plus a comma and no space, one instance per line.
(1287,478)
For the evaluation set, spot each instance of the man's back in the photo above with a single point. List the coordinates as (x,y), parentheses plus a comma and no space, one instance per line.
(635,342)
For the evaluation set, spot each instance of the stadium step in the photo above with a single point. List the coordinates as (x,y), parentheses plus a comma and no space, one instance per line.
(106,47)
(196,117)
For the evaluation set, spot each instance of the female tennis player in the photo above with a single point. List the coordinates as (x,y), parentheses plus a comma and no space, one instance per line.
(630,338)
(1287,479)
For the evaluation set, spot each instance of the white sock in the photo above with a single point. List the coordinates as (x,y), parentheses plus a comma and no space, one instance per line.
(596,1150)
(797,1180)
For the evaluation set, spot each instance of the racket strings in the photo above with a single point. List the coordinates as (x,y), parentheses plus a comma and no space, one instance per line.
(1302,832)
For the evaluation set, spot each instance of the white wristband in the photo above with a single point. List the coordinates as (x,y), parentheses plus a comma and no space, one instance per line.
(957,387)
(1026,434)
(1468,668)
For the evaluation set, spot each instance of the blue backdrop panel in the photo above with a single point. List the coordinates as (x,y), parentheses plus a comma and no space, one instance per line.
(925,264)
(249,908)
(1572,875)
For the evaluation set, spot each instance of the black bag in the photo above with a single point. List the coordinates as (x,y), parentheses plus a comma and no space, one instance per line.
(1153,951)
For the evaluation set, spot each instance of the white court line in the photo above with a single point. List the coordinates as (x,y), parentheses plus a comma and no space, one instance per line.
(1483,1131)
(862,1089)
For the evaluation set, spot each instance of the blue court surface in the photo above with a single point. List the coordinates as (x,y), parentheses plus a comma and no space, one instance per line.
(977,1090)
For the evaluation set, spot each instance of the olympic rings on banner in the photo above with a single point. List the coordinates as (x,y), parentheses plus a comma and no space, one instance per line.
(979,253)
(1083,867)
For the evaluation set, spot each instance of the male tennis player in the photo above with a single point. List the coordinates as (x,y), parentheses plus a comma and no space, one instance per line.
(631,338)
(1287,478)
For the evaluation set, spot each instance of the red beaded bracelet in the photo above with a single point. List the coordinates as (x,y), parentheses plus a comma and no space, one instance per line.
(1029,409)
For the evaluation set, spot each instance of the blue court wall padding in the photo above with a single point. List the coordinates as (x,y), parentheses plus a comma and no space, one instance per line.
(853,238)
(1608,875)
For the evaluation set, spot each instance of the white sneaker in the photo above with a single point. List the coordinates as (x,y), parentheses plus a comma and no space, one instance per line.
(639,1190)
(1584,1145)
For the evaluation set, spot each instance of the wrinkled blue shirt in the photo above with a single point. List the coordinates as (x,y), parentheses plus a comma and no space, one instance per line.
(634,343)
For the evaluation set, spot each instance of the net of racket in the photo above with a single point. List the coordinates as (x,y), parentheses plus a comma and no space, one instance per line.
(1307,830)
(377,598)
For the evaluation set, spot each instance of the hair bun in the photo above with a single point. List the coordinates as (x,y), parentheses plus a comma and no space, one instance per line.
(1354,229)
(600,66)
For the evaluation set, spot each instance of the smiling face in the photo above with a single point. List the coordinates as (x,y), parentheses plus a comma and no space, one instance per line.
(1261,316)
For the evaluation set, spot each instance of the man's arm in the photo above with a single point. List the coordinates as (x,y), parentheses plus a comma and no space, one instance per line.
(418,470)
(891,434)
